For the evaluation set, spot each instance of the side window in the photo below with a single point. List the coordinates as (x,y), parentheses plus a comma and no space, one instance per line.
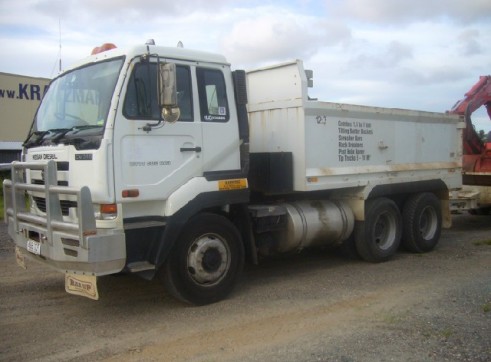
(184,93)
(141,101)
(141,96)
(212,95)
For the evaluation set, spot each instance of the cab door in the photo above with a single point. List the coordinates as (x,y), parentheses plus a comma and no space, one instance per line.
(151,156)
(221,156)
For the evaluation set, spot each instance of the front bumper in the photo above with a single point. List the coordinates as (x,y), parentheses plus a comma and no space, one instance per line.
(70,244)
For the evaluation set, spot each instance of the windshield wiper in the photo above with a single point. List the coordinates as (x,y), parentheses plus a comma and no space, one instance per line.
(88,126)
(34,138)
(59,133)
(55,135)
(37,138)
(66,135)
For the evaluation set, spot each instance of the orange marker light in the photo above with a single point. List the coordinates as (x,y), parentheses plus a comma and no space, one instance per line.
(131,193)
(109,209)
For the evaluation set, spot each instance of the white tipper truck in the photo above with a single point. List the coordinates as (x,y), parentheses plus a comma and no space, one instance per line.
(163,162)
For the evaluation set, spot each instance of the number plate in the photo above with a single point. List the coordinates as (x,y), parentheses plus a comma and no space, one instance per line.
(34,247)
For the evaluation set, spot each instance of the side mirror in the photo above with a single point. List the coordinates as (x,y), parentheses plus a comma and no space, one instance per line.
(168,92)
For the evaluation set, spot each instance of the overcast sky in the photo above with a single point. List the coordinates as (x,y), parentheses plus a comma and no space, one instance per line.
(419,54)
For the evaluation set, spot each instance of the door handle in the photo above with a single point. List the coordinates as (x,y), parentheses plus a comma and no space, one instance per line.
(195,149)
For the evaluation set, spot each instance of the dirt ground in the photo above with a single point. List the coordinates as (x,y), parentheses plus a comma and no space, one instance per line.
(315,306)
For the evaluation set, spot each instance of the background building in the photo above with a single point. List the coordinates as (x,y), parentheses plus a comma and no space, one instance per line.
(19,98)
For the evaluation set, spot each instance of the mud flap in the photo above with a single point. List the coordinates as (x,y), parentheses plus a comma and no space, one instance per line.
(83,285)
(20,258)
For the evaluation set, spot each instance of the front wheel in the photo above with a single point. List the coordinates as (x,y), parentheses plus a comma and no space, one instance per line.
(206,261)
(377,238)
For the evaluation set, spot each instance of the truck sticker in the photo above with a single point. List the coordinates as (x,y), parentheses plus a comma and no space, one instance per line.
(236,184)
(351,140)
(215,118)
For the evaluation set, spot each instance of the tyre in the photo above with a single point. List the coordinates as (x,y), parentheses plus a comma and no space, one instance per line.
(422,222)
(205,262)
(378,237)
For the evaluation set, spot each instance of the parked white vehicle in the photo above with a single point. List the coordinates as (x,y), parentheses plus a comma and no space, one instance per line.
(162,161)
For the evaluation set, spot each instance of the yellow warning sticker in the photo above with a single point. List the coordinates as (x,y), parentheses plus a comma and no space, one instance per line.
(234,184)
(83,285)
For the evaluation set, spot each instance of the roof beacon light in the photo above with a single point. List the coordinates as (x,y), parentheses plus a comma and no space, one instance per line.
(104,47)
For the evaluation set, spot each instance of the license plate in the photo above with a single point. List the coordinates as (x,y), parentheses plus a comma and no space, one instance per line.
(34,247)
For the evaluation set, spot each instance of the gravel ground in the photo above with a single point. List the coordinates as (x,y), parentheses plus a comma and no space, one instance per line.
(315,306)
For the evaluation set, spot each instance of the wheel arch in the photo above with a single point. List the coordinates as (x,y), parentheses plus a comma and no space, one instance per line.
(153,244)
(209,201)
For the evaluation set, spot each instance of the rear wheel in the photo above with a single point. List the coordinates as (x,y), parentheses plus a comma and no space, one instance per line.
(378,237)
(206,261)
(422,220)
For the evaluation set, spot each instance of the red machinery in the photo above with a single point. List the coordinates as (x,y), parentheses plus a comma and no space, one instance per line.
(476,161)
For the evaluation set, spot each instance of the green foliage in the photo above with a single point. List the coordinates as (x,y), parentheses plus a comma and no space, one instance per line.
(482,242)
(447,333)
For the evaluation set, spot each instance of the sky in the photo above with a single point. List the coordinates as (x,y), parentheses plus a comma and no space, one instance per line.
(415,54)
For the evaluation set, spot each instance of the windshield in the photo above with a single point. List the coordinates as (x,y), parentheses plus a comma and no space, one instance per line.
(76,104)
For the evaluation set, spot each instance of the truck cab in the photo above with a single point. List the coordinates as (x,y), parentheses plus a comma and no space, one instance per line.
(99,139)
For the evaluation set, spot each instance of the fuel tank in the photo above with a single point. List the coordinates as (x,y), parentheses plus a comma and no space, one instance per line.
(315,223)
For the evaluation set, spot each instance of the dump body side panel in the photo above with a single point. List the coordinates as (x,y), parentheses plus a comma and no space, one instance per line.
(338,146)
(355,146)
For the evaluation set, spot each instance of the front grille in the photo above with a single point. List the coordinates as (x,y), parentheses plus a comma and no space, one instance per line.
(62,166)
(37,178)
(41,182)
(64,204)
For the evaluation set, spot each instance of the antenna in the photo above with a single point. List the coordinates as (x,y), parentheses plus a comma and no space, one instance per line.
(59,29)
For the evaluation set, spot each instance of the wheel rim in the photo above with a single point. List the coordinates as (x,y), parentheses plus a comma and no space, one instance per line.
(384,232)
(428,223)
(208,260)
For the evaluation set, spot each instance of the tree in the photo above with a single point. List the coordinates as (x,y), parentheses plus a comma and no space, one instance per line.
(483,135)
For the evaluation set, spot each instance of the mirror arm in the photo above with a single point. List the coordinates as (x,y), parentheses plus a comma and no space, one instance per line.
(149,126)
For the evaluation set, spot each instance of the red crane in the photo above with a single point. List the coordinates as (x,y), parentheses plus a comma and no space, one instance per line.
(477,154)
